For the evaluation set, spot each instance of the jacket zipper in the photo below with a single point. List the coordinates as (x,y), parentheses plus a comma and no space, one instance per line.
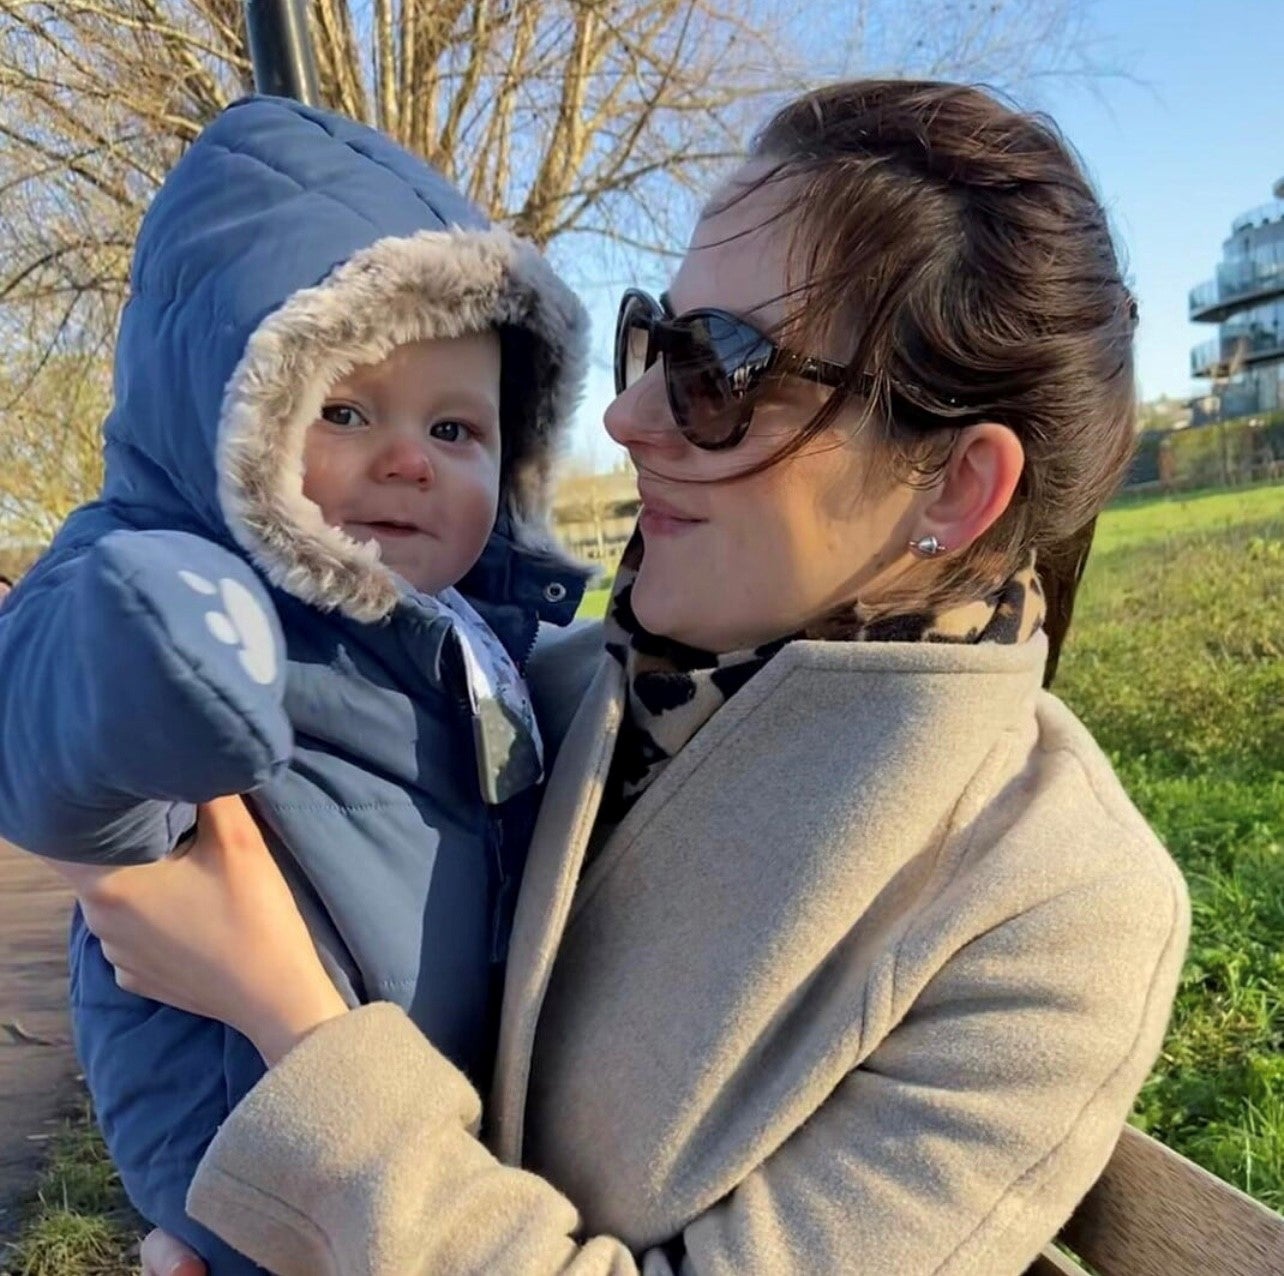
(499,930)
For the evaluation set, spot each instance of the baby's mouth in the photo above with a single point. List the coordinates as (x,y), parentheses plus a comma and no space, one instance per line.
(387,529)
(394,529)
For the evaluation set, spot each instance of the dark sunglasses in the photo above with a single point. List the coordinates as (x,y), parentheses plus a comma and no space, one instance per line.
(714,363)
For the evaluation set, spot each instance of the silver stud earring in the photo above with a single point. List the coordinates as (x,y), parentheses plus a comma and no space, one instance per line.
(927,547)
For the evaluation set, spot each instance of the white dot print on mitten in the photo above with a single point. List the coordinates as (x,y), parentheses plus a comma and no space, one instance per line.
(241,623)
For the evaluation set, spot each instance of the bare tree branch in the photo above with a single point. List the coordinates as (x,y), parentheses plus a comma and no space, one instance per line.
(385,68)
(448,141)
(572,120)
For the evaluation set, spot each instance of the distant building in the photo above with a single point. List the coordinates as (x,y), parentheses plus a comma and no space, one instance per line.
(1245,361)
(594,514)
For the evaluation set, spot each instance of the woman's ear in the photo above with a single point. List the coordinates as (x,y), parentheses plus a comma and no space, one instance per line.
(976,487)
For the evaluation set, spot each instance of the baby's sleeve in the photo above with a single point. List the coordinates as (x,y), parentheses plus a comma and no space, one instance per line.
(138,677)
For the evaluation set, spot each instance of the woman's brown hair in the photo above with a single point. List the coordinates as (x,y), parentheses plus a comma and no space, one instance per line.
(960,245)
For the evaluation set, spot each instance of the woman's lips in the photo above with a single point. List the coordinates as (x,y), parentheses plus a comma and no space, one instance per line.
(659,518)
(655,522)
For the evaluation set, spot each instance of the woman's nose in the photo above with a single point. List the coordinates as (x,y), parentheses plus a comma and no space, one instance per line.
(404,459)
(640,415)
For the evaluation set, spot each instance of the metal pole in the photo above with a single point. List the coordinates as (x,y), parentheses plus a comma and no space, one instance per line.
(280,49)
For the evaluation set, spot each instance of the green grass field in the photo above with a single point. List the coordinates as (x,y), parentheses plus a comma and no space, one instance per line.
(80,1223)
(1176,663)
(594,605)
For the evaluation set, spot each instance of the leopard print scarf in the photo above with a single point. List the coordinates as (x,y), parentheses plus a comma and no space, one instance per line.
(673,689)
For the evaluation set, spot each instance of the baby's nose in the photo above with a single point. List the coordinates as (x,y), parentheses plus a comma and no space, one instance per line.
(406,460)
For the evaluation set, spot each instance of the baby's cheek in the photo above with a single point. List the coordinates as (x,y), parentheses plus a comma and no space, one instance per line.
(323,475)
(481,506)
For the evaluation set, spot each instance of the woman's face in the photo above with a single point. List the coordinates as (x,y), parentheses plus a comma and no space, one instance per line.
(731,565)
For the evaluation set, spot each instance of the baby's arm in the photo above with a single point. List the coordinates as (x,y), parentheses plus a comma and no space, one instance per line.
(138,677)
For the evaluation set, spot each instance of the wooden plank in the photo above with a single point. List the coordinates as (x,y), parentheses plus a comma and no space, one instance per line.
(1154,1213)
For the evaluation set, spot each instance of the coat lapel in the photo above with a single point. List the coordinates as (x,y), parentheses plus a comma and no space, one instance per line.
(557,849)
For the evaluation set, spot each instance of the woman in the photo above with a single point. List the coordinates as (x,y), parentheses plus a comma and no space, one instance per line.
(839,950)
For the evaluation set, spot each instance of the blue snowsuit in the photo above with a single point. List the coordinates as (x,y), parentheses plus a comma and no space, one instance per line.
(198,630)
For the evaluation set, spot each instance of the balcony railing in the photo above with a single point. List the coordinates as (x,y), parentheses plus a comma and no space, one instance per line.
(1236,281)
(1247,345)
(1259,216)
(1206,359)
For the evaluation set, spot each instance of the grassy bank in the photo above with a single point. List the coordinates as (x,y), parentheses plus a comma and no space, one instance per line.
(1176,663)
(79,1222)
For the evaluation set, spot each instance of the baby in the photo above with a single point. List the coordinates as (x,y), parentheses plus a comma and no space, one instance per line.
(314,574)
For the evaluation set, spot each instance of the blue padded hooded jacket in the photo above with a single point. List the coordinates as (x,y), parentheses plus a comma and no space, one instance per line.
(198,630)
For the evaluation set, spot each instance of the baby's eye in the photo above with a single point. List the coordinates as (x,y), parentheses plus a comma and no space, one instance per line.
(449,431)
(344,415)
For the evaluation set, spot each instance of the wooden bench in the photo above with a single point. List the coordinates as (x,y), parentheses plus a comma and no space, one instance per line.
(1154,1213)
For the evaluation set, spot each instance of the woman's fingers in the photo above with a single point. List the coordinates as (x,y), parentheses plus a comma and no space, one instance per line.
(217,932)
(163,1255)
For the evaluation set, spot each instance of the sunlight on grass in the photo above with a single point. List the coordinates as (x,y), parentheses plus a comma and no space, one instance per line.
(79,1223)
(1176,664)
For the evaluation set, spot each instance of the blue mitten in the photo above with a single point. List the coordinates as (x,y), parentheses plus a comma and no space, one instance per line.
(138,677)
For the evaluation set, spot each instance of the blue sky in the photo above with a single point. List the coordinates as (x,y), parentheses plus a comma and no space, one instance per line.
(1188,136)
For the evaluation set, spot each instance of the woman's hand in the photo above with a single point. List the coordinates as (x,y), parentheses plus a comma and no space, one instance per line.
(214,931)
(162,1255)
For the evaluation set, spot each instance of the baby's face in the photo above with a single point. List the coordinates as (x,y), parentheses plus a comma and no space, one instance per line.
(406,452)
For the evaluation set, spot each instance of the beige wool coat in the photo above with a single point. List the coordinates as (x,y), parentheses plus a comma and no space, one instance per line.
(864,984)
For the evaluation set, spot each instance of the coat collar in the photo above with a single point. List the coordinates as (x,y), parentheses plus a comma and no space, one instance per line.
(516,588)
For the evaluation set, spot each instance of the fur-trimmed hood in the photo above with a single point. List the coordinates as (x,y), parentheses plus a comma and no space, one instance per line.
(287,247)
